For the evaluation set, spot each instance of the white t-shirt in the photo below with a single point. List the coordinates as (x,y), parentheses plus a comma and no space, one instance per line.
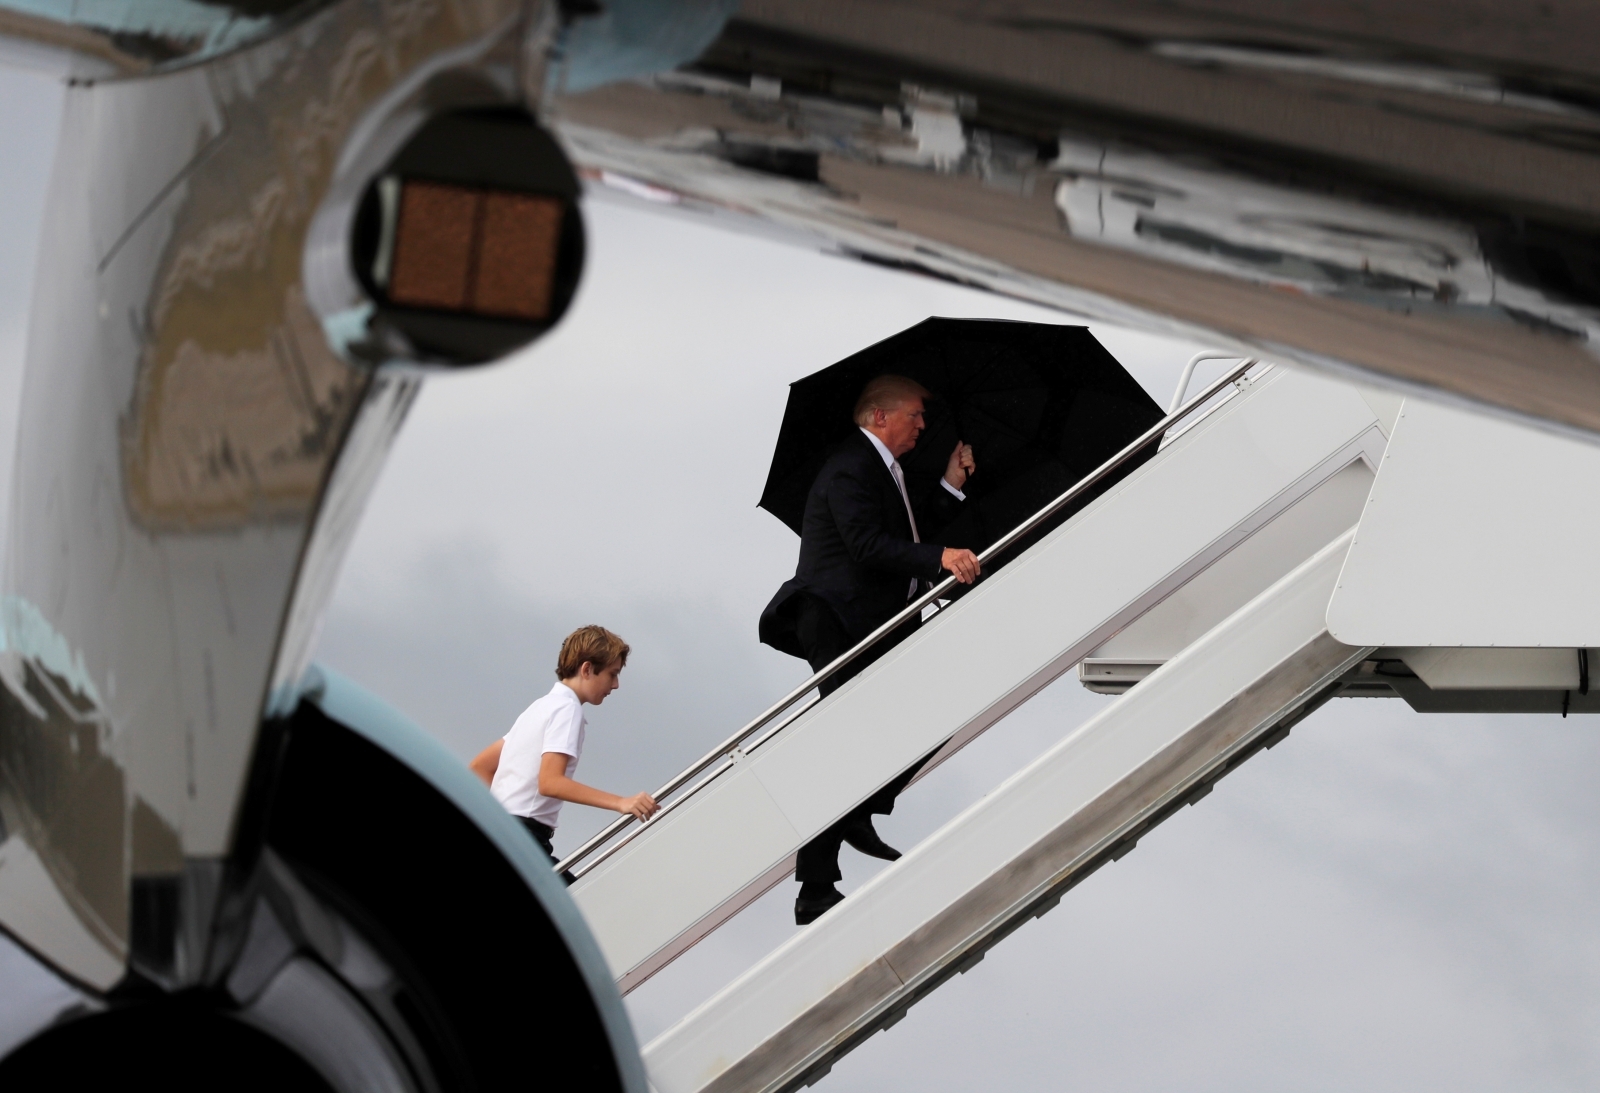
(553,723)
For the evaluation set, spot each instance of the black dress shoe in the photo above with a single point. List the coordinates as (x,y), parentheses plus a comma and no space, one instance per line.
(807,909)
(861,835)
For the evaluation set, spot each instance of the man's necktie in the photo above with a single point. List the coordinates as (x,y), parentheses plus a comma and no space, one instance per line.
(900,480)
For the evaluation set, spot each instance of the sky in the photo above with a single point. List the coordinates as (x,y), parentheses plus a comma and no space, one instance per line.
(1385,901)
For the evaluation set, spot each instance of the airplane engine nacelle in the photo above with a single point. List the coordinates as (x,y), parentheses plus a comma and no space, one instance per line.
(383,926)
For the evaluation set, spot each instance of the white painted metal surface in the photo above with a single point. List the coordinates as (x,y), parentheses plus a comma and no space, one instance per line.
(1246,571)
(1478,533)
(1012,854)
(1241,468)
(1447,669)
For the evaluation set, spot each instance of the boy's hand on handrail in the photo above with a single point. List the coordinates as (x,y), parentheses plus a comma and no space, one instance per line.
(962,564)
(641,806)
(553,782)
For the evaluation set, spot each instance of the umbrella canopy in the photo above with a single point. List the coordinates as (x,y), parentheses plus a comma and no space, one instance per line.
(1042,406)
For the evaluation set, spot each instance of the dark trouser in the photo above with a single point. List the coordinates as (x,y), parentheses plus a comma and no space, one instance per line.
(823,638)
(544,835)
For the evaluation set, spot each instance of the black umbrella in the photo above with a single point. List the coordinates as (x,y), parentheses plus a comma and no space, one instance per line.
(1041,405)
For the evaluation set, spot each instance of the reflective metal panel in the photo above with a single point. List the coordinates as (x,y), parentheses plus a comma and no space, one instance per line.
(1407,193)
(98,38)
(184,411)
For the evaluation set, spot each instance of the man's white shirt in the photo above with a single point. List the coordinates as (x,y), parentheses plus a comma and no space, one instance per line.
(900,480)
(553,723)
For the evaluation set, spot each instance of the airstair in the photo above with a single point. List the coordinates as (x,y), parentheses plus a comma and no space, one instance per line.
(1203,577)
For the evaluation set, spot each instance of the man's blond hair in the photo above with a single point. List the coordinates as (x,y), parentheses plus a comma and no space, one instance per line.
(594,644)
(886,393)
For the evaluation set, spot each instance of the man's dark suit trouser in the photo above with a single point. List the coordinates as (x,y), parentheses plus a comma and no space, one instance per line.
(823,638)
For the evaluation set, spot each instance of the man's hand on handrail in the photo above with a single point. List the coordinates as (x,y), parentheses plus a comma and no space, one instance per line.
(962,564)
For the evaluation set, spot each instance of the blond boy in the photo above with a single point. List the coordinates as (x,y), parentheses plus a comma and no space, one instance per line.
(529,770)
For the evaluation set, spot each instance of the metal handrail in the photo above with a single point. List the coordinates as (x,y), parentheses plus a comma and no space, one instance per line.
(726,750)
(1188,372)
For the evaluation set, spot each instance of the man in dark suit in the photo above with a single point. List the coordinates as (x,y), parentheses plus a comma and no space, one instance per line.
(862,559)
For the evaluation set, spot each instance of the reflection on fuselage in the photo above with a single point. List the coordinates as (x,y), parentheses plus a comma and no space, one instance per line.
(1408,199)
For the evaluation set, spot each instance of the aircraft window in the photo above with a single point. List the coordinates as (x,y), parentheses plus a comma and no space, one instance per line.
(472,250)
(469,240)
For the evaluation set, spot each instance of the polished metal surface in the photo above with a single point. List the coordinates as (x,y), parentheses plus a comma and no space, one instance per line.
(1407,193)
(208,395)
(97,40)
(211,386)
(187,413)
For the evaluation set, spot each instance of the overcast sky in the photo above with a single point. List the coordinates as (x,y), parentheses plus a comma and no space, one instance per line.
(1387,901)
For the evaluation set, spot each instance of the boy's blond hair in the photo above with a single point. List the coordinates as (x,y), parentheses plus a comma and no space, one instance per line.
(594,644)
